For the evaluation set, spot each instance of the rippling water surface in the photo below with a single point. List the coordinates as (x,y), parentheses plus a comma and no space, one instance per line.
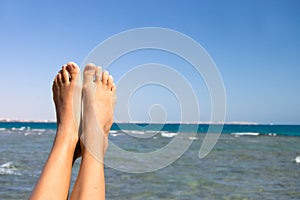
(241,166)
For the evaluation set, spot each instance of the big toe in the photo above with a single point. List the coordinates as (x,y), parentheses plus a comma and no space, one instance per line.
(98,74)
(73,70)
(89,73)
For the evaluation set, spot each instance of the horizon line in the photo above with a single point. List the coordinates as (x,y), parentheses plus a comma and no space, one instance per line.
(167,122)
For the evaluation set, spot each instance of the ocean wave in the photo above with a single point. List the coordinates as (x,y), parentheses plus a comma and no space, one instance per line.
(136,132)
(167,134)
(193,138)
(297,159)
(245,134)
(38,130)
(133,132)
(152,132)
(116,134)
(9,169)
(113,131)
(33,133)
(141,133)
(21,128)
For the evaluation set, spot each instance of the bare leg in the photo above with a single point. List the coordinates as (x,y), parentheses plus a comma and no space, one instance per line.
(54,181)
(99,95)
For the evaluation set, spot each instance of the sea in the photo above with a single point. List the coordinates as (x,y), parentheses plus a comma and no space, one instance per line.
(249,161)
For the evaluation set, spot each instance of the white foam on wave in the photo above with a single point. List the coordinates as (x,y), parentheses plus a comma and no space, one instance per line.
(193,138)
(116,134)
(112,131)
(297,159)
(245,134)
(20,129)
(38,130)
(2,129)
(9,169)
(140,133)
(167,134)
(134,132)
(34,133)
(137,132)
(151,132)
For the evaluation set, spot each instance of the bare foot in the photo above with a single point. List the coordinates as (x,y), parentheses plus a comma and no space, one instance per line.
(99,98)
(54,181)
(67,98)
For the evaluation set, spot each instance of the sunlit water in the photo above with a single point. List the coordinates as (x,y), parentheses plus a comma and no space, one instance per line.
(239,167)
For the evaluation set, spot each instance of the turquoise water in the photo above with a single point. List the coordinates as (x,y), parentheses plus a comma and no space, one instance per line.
(264,129)
(248,162)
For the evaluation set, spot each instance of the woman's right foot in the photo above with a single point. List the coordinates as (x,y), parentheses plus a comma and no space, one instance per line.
(54,181)
(67,98)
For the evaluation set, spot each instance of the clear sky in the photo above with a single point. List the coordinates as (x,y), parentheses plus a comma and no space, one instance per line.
(255,45)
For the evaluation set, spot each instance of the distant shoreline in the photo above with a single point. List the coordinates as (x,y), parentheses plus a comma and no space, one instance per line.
(17,120)
(141,122)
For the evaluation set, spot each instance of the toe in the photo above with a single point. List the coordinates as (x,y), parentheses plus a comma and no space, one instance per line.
(114,88)
(72,69)
(110,82)
(59,78)
(65,75)
(98,74)
(105,76)
(89,72)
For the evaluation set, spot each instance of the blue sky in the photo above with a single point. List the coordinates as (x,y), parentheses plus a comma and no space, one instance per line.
(255,45)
